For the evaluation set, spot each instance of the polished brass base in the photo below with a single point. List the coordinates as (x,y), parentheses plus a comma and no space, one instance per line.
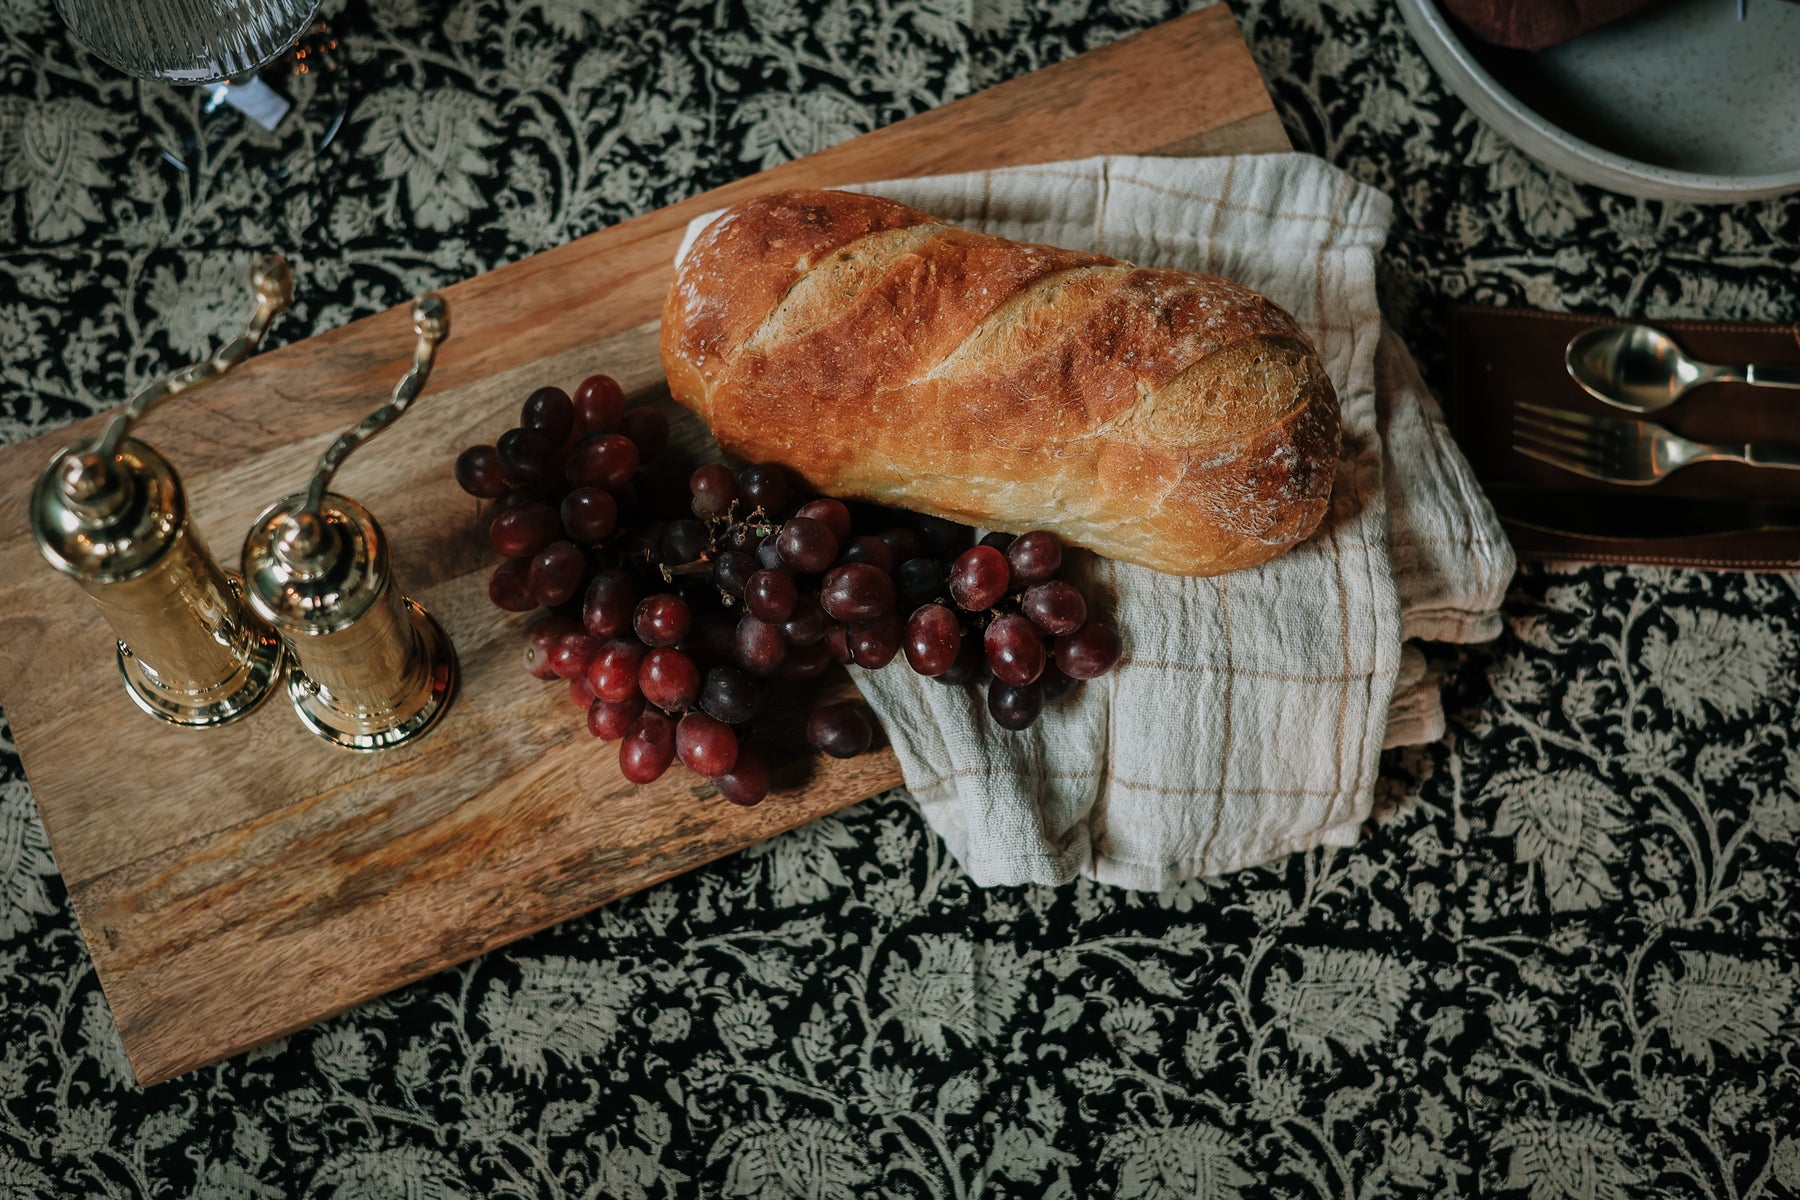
(255,678)
(406,720)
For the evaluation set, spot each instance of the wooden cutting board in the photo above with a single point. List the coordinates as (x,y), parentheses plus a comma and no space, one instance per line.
(234,885)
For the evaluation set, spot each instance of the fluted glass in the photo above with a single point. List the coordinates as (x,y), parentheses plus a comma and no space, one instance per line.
(187,41)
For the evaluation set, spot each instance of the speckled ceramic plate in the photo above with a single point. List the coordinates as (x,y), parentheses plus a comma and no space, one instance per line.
(1682,103)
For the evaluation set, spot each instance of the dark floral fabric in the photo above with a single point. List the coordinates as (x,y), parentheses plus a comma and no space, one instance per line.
(1563,963)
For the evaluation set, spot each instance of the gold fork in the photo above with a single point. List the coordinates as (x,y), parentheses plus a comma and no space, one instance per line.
(1621,451)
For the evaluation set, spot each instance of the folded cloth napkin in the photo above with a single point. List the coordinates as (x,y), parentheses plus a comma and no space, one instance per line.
(1247,716)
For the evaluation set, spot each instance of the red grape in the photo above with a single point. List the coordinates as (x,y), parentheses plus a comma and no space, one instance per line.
(522,532)
(807,545)
(731,695)
(870,549)
(830,513)
(714,489)
(771,595)
(1035,557)
(713,640)
(978,578)
(933,639)
(548,411)
(580,694)
(542,642)
(1089,652)
(808,624)
(599,403)
(606,460)
(556,573)
(589,515)
(509,587)
(647,748)
(669,679)
(573,654)
(920,581)
(748,780)
(806,662)
(706,744)
(998,539)
(765,486)
(528,456)
(648,428)
(970,664)
(842,730)
(1015,650)
(1014,707)
(759,646)
(874,643)
(521,497)
(837,644)
(662,619)
(480,473)
(609,719)
(610,603)
(856,592)
(613,673)
(1054,607)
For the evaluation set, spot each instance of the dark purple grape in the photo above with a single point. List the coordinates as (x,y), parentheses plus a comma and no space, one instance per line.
(607,460)
(528,456)
(684,541)
(771,595)
(523,531)
(830,513)
(698,592)
(712,642)
(1015,650)
(480,473)
(599,403)
(661,620)
(509,587)
(610,602)
(648,428)
(768,552)
(1054,607)
(765,486)
(550,412)
(705,744)
(842,730)
(541,644)
(589,515)
(1014,707)
(732,570)
(867,548)
(1056,685)
(523,497)
(613,673)
(1035,557)
(905,543)
(970,665)
(933,639)
(1089,652)
(806,662)
(609,720)
(740,536)
(998,539)
(874,643)
(759,646)
(942,539)
(669,679)
(856,592)
(732,695)
(647,748)
(572,655)
(978,578)
(920,581)
(808,624)
(748,780)
(807,545)
(556,573)
(714,490)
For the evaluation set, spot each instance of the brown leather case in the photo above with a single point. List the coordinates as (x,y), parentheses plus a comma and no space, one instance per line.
(1503,355)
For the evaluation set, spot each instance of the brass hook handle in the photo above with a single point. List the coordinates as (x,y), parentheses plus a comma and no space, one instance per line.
(302,533)
(88,478)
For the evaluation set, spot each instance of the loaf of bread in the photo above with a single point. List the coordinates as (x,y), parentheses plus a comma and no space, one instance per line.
(1165,418)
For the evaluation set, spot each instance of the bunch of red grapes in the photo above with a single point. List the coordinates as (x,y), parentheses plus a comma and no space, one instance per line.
(674,610)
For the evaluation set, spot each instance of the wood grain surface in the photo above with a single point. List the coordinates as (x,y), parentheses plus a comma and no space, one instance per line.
(234,885)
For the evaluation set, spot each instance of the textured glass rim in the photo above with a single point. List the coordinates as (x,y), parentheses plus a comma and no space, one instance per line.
(195,76)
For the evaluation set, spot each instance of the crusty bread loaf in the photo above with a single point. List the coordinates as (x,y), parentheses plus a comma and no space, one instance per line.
(1175,420)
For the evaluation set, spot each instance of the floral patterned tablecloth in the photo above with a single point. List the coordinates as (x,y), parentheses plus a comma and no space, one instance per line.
(1564,964)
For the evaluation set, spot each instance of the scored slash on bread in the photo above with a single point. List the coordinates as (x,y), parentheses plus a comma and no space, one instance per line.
(1176,420)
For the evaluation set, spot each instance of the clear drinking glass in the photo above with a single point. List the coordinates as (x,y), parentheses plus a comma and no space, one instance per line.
(188,41)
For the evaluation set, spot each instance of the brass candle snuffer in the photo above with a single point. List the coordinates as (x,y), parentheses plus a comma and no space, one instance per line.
(369,668)
(113,517)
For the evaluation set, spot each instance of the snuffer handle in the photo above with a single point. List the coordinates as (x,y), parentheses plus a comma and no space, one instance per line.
(303,532)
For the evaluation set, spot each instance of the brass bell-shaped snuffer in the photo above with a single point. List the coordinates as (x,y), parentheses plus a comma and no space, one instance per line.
(113,517)
(369,668)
